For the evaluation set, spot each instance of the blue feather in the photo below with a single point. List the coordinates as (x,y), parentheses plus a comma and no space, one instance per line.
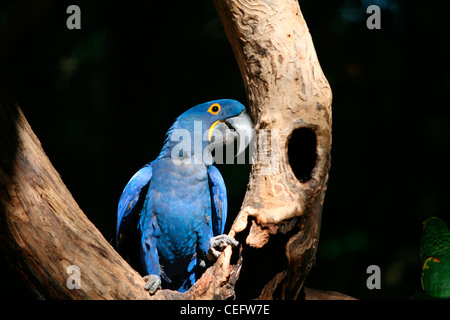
(131,195)
(220,204)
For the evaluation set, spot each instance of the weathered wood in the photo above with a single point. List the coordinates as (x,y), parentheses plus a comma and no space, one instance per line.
(313,294)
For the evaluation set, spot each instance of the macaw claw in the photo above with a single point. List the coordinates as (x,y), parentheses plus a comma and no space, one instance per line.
(152,283)
(218,243)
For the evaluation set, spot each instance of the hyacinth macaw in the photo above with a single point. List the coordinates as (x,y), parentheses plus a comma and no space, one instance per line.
(172,213)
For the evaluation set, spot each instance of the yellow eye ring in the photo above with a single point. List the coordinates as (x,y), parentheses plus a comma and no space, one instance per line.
(214,108)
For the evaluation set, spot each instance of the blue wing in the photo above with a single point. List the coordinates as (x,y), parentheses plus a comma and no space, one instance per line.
(218,200)
(132,198)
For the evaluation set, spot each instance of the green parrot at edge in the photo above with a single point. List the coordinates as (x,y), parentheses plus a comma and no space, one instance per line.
(435,258)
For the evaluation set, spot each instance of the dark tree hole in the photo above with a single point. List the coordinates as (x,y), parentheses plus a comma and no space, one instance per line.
(302,153)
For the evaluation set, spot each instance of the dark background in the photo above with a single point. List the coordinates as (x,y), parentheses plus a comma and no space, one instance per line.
(101,99)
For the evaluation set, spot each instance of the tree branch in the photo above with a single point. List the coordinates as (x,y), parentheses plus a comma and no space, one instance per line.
(42,229)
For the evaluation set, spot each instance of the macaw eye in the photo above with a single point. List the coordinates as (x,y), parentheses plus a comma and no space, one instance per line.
(214,108)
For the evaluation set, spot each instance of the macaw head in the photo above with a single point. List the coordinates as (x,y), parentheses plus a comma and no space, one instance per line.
(207,126)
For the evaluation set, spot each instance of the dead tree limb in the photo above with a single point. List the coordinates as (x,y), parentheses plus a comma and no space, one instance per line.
(43,231)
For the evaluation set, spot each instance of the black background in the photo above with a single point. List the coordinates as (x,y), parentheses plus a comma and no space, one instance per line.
(101,99)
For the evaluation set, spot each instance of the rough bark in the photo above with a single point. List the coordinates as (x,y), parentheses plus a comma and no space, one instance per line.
(43,230)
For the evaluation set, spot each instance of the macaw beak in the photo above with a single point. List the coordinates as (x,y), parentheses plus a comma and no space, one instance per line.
(238,128)
(243,131)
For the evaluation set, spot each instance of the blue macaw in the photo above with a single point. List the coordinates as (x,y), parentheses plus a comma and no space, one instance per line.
(172,213)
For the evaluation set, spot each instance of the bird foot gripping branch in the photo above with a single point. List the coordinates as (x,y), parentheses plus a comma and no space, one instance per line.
(152,283)
(172,213)
(218,244)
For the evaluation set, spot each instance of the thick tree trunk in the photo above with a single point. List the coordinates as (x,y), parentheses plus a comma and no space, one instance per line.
(43,231)
(289,96)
